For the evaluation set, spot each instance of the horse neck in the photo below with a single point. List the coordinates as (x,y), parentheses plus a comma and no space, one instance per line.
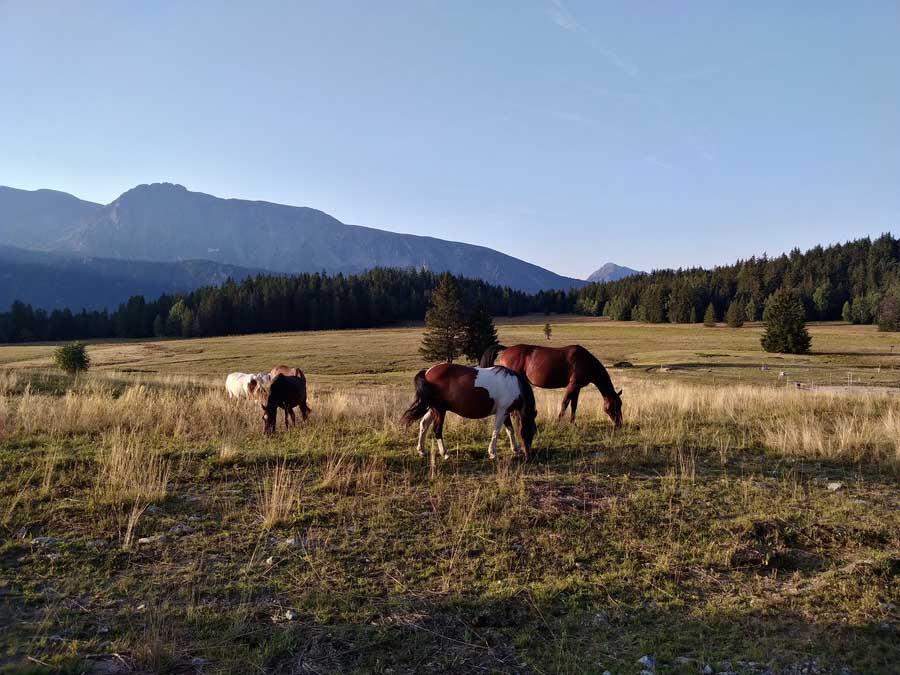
(602,381)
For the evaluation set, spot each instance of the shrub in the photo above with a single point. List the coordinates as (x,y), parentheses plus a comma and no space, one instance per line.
(72,358)
(785,324)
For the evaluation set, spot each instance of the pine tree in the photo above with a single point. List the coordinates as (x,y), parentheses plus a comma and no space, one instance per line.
(709,318)
(785,324)
(480,333)
(548,330)
(847,312)
(444,323)
(734,316)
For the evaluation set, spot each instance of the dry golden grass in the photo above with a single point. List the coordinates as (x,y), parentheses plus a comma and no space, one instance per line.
(847,424)
(278,494)
(128,472)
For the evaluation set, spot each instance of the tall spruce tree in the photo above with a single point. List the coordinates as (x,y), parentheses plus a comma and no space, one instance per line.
(444,323)
(785,324)
(480,333)
(709,318)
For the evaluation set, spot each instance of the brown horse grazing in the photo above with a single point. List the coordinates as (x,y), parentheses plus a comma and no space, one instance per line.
(572,367)
(286,392)
(473,393)
(287,370)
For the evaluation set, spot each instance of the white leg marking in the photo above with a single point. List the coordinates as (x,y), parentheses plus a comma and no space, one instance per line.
(441,448)
(423,429)
(512,439)
(498,423)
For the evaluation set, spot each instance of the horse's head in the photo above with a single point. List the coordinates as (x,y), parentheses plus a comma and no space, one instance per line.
(263,396)
(612,406)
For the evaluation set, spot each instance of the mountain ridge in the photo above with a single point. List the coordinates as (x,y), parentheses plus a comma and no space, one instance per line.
(165,222)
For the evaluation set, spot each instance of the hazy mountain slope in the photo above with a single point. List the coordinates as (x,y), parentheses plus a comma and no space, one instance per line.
(165,222)
(612,272)
(38,218)
(54,281)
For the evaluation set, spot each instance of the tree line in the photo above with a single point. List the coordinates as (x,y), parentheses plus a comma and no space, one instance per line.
(270,303)
(858,281)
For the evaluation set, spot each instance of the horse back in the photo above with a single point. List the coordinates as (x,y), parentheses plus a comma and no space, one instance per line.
(288,390)
(545,367)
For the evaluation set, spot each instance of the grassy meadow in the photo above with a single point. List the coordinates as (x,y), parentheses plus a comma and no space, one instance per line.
(737,523)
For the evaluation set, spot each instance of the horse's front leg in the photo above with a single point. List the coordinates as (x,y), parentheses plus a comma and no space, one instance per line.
(499,419)
(571,391)
(510,431)
(573,402)
(423,429)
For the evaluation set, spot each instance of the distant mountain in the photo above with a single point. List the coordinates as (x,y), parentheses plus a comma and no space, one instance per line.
(39,218)
(612,272)
(56,281)
(167,223)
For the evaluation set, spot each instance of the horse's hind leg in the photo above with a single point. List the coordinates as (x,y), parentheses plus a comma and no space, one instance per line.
(439,416)
(510,431)
(423,429)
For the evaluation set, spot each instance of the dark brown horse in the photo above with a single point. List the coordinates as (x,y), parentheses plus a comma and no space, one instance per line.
(572,367)
(286,392)
(473,393)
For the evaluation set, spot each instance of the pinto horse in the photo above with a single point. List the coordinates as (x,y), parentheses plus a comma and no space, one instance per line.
(286,392)
(473,393)
(572,367)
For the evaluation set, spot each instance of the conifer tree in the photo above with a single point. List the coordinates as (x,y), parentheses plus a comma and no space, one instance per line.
(734,316)
(444,323)
(847,312)
(709,318)
(785,324)
(480,333)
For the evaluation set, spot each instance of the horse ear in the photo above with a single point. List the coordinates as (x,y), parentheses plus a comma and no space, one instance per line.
(619,392)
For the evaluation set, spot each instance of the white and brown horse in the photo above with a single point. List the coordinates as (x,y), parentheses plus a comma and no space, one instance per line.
(473,393)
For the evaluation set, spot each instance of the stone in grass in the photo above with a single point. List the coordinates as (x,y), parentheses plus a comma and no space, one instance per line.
(834,486)
(154,539)
(44,541)
(648,661)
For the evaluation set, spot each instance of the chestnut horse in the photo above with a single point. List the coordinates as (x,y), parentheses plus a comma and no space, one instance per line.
(286,392)
(473,393)
(572,367)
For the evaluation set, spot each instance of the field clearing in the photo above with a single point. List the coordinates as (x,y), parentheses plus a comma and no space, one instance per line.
(147,526)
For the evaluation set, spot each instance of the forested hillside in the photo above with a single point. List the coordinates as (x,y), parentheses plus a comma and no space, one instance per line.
(272,303)
(841,281)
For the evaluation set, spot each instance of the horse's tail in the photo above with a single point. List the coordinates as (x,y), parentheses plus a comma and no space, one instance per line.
(529,409)
(426,397)
(490,355)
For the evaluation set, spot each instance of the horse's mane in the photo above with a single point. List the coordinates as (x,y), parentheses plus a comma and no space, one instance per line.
(601,375)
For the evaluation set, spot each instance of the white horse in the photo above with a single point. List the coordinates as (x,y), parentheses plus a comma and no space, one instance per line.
(241,385)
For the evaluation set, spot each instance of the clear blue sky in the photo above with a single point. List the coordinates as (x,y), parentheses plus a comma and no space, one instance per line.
(566,133)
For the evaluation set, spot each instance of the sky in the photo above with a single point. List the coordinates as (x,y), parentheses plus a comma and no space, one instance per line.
(568,133)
